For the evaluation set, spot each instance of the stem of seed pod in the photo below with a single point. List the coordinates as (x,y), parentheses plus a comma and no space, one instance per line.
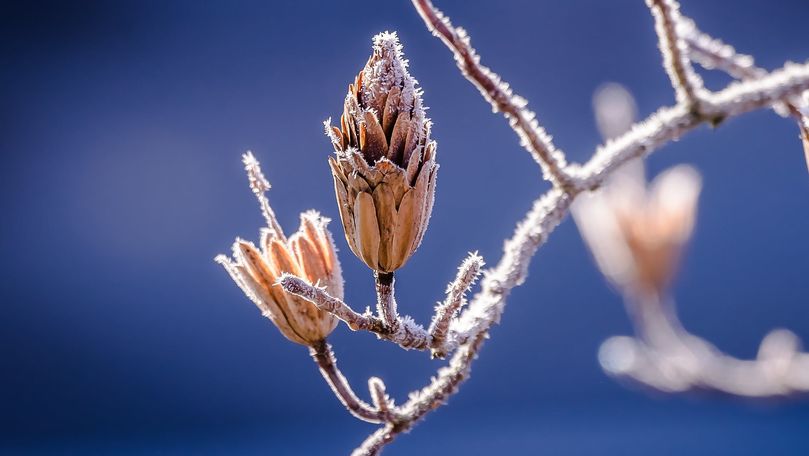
(385,301)
(324,357)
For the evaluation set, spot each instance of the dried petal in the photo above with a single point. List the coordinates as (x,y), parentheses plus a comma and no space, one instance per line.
(385,205)
(367,229)
(407,221)
(375,146)
(391,110)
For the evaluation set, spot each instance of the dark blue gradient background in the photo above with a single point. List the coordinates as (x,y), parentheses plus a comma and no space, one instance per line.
(122,129)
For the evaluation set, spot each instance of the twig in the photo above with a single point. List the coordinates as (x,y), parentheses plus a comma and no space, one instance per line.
(386,300)
(259,184)
(406,333)
(425,400)
(712,53)
(325,360)
(687,84)
(498,93)
(446,311)
(319,297)
(668,124)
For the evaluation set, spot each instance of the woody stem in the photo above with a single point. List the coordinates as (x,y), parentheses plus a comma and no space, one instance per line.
(324,357)
(385,301)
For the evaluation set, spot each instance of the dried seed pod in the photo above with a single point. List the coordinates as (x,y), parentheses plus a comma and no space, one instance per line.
(309,254)
(384,169)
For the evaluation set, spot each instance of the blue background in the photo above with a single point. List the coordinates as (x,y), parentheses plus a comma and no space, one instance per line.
(122,129)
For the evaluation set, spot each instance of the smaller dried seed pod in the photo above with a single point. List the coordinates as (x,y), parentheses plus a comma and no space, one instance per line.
(384,169)
(637,234)
(309,254)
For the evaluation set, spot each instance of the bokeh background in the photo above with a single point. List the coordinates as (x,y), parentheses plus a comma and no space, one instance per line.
(122,128)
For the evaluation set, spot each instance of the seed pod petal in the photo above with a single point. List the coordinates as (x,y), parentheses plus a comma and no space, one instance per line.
(375,145)
(270,308)
(310,260)
(398,137)
(413,166)
(406,229)
(367,229)
(391,110)
(260,277)
(386,216)
(395,180)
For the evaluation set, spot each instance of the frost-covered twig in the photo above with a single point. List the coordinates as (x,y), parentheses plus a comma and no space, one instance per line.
(259,185)
(714,54)
(497,92)
(425,400)
(318,296)
(324,357)
(687,84)
(446,311)
(386,300)
(406,333)
(671,123)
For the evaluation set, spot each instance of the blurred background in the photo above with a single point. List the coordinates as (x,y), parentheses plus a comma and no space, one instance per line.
(122,128)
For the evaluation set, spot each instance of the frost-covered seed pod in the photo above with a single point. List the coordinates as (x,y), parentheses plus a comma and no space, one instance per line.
(384,169)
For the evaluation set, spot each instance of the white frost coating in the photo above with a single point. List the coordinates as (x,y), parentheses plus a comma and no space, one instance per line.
(389,70)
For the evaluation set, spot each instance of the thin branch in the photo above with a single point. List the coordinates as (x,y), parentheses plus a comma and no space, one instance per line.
(406,333)
(714,54)
(498,93)
(260,185)
(671,123)
(375,442)
(468,272)
(686,82)
(386,300)
(324,301)
(379,395)
(324,357)
(425,400)
(667,357)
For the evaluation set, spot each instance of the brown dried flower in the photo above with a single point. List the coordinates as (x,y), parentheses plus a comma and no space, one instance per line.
(309,254)
(384,169)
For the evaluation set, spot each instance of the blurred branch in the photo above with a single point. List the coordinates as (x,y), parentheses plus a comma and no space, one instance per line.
(668,358)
